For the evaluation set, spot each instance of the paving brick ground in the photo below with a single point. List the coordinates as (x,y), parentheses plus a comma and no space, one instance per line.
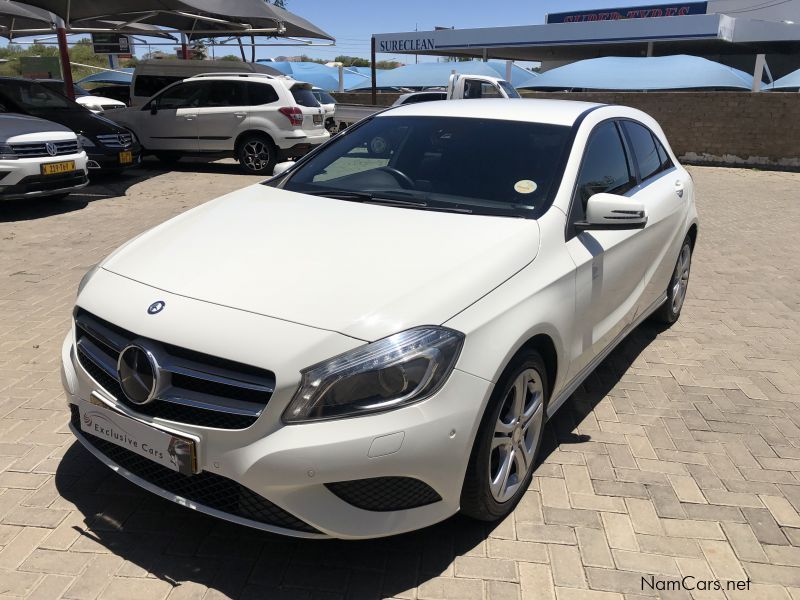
(680,455)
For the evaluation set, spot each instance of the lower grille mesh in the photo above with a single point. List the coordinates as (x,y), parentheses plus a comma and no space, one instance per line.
(208,489)
(383,494)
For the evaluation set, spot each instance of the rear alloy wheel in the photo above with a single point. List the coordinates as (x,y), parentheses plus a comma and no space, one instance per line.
(670,311)
(504,455)
(257,155)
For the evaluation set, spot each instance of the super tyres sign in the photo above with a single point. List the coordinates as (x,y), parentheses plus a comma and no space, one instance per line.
(630,12)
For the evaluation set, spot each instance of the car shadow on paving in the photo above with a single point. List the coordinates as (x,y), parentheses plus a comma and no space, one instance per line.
(101,187)
(182,547)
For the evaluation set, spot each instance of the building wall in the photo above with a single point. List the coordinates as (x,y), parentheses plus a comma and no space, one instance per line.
(720,128)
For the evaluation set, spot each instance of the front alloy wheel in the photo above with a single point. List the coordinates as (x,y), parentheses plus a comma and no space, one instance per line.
(516,434)
(504,454)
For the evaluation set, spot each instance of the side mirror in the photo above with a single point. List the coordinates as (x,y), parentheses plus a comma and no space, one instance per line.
(282,167)
(609,211)
(153,107)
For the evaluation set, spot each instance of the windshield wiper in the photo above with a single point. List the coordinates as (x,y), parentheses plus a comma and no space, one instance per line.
(370,198)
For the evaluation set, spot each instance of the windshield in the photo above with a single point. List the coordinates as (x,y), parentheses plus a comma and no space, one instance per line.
(324,97)
(30,96)
(509,89)
(484,166)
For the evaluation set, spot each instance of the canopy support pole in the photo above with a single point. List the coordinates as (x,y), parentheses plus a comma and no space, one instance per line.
(341,78)
(758,72)
(184,47)
(63,51)
(374,71)
(509,64)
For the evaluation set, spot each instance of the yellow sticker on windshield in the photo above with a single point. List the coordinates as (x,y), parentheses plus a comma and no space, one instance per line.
(525,186)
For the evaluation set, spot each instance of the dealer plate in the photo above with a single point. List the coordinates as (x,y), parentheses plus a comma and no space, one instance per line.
(167,450)
(57,168)
(125,157)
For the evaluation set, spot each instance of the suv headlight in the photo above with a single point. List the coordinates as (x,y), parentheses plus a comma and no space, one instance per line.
(396,371)
(7,152)
(85,142)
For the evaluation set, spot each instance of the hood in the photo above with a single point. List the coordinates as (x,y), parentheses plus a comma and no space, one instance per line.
(363,270)
(23,128)
(79,120)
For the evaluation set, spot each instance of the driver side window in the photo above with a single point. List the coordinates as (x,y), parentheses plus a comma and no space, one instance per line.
(183,95)
(605,168)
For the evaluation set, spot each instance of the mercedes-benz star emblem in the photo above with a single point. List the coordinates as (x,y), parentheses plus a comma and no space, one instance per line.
(156,307)
(51,148)
(138,374)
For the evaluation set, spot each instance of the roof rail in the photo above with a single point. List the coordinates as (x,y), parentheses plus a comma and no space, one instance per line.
(238,74)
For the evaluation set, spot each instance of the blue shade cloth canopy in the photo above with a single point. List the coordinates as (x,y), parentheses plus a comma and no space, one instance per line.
(318,75)
(679,72)
(110,77)
(787,82)
(430,74)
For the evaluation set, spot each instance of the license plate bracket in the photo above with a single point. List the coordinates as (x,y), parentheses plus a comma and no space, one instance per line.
(165,448)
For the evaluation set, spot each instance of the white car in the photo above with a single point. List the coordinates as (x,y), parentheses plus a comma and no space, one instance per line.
(96,104)
(258,119)
(362,346)
(38,158)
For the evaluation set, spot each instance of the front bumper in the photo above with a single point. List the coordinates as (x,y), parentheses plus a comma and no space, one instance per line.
(22,177)
(305,471)
(103,159)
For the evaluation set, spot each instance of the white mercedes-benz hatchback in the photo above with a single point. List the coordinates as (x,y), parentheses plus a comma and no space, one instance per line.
(363,345)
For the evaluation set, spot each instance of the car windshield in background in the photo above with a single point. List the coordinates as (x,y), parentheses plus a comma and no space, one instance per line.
(304,97)
(324,97)
(510,90)
(482,166)
(31,96)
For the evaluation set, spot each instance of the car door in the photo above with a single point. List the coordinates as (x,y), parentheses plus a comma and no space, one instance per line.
(169,121)
(222,116)
(664,190)
(607,270)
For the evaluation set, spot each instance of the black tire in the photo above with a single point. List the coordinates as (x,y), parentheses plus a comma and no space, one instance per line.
(257,154)
(477,498)
(169,158)
(670,311)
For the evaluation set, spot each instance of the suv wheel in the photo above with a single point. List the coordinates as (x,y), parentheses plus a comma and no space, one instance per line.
(257,154)
(504,455)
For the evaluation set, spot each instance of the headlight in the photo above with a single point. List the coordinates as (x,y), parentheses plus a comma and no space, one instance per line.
(85,142)
(87,276)
(395,371)
(7,152)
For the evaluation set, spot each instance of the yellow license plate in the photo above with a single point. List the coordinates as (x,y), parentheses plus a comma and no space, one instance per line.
(125,158)
(58,167)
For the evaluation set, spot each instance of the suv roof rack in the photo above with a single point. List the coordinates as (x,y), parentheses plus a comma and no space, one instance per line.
(238,74)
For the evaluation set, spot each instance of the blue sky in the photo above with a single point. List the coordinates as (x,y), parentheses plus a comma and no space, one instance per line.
(352,22)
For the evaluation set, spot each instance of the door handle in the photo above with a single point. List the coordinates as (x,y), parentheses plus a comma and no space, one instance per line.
(679,188)
(240,115)
(190,117)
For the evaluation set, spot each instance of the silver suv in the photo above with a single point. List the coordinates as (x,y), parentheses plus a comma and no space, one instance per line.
(258,119)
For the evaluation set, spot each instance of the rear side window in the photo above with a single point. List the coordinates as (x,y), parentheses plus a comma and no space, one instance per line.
(304,97)
(225,93)
(261,93)
(605,165)
(650,154)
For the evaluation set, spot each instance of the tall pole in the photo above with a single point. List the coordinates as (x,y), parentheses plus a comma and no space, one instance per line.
(374,74)
(184,47)
(63,51)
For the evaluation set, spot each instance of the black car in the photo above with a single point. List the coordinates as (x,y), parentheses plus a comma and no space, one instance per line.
(108,146)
